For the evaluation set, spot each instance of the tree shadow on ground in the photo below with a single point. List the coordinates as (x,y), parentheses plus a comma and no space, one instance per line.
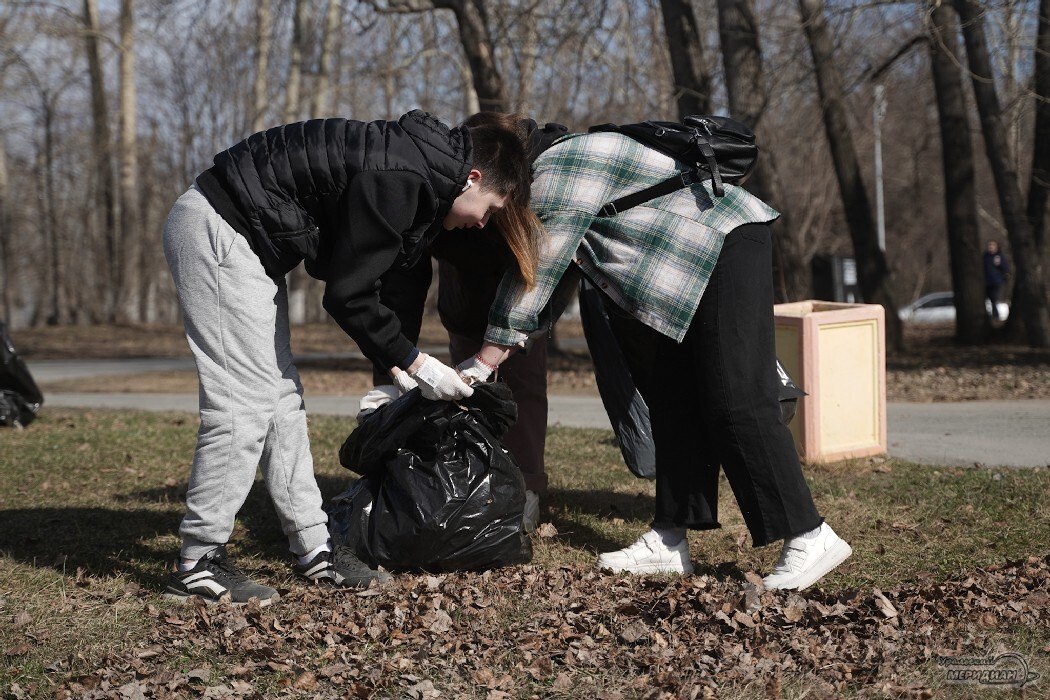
(102,541)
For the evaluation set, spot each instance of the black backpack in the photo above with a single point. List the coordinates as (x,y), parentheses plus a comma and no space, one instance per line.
(719,149)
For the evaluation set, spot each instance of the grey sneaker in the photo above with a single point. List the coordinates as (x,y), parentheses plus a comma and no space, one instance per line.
(215,579)
(341,569)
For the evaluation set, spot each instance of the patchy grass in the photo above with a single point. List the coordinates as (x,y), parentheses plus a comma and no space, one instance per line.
(90,504)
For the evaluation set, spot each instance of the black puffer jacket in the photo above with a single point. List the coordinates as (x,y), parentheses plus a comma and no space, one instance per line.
(351,199)
(471,265)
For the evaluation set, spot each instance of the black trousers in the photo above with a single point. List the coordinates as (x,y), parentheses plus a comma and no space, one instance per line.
(713,402)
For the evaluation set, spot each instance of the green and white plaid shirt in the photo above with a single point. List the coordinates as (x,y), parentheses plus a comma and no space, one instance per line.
(654,261)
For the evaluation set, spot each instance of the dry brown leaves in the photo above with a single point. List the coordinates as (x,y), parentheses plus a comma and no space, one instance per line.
(529,631)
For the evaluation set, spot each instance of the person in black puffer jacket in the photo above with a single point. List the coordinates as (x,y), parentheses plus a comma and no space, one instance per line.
(350,200)
(471,265)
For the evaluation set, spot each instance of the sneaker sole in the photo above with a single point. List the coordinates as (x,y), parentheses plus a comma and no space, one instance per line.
(684,569)
(839,553)
(183,599)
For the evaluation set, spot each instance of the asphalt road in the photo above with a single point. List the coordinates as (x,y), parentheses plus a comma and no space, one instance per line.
(992,433)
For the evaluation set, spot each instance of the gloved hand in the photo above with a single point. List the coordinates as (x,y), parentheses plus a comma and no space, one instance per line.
(379,396)
(475,370)
(404,382)
(439,382)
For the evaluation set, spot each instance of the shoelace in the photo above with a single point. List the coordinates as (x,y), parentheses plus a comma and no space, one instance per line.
(225,566)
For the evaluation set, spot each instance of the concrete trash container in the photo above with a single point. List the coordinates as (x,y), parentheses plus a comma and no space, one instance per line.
(837,354)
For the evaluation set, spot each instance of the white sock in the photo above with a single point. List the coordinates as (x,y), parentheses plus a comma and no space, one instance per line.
(671,537)
(309,556)
(187,564)
(811,534)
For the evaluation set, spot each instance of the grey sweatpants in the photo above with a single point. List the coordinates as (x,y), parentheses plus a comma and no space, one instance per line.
(251,401)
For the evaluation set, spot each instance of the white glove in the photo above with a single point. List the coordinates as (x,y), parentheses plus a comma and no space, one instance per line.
(404,382)
(439,382)
(379,396)
(475,371)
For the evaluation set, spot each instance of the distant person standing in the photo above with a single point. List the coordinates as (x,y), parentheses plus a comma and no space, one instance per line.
(996,270)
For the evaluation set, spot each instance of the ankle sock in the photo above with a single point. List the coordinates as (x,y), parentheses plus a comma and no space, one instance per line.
(187,564)
(309,556)
(671,537)
(811,534)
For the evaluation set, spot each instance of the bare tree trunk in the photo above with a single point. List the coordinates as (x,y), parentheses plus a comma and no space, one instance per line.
(131,235)
(872,270)
(474,35)
(263,39)
(476,39)
(322,102)
(297,279)
(1028,260)
(1039,188)
(293,103)
(112,278)
(692,80)
(528,35)
(54,316)
(964,240)
(745,85)
(5,234)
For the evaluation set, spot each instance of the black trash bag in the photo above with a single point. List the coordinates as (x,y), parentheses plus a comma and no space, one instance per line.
(789,394)
(628,412)
(20,398)
(439,491)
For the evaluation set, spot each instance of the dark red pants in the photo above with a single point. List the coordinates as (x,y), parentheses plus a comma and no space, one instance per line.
(526,375)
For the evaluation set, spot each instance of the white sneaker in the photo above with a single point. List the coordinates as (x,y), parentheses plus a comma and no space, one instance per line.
(803,561)
(530,520)
(649,555)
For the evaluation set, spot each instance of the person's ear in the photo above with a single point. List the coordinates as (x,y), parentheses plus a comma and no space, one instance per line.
(472,178)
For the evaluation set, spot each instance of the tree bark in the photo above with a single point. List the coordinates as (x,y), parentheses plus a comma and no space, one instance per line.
(476,40)
(1028,261)
(474,35)
(131,235)
(872,270)
(322,102)
(964,240)
(50,220)
(106,199)
(263,39)
(745,86)
(5,233)
(1039,187)
(293,86)
(692,80)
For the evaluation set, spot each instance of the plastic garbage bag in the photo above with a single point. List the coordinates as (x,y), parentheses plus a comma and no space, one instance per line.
(20,398)
(439,491)
(628,412)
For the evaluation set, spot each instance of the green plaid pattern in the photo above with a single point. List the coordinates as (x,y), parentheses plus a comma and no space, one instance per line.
(654,260)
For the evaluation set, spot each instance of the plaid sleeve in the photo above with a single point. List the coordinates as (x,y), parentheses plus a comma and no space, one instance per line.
(572,181)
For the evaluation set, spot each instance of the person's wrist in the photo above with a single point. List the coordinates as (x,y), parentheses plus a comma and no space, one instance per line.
(417,363)
(487,365)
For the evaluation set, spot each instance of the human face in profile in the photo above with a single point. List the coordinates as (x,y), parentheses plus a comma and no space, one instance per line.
(474,206)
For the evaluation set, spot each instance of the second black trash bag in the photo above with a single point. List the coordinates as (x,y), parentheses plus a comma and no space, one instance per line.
(440,493)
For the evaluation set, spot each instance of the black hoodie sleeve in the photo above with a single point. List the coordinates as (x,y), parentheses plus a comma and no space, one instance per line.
(404,291)
(381,206)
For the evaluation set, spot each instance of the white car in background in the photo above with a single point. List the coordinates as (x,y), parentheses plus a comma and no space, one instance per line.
(939,307)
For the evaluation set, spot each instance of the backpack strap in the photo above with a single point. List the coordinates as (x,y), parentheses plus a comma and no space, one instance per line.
(671,184)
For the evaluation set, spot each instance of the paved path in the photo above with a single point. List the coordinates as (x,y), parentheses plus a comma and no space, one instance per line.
(999,433)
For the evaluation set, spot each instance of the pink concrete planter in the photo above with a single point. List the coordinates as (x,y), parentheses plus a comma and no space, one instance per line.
(837,354)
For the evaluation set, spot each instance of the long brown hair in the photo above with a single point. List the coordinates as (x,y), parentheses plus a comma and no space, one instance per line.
(500,151)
